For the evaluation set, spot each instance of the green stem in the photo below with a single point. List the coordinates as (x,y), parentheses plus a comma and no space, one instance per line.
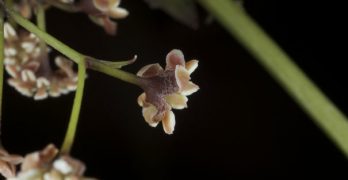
(9,3)
(71,53)
(40,17)
(70,134)
(1,63)
(281,67)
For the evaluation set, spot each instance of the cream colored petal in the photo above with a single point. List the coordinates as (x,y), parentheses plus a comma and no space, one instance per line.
(168,122)
(177,101)
(42,81)
(150,70)
(102,5)
(62,166)
(13,82)
(149,112)
(13,159)
(41,94)
(54,89)
(9,31)
(29,174)
(10,61)
(117,12)
(7,170)
(28,46)
(10,51)
(141,99)
(174,57)
(189,89)
(12,70)
(191,66)
(182,76)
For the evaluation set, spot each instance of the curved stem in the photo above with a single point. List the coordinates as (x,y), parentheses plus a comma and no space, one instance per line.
(312,100)
(70,134)
(73,54)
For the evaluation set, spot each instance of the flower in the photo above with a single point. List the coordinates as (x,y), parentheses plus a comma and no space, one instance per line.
(8,162)
(166,89)
(28,65)
(45,164)
(100,12)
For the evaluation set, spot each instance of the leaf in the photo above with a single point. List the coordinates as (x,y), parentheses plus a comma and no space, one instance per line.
(113,64)
(184,11)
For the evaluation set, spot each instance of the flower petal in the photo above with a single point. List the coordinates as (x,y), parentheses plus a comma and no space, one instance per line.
(189,89)
(174,57)
(150,70)
(9,31)
(102,5)
(177,101)
(7,170)
(117,12)
(191,66)
(168,122)
(149,113)
(182,76)
(41,93)
(12,70)
(141,99)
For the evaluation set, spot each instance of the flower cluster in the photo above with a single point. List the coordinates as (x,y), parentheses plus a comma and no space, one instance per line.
(27,62)
(166,89)
(42,165)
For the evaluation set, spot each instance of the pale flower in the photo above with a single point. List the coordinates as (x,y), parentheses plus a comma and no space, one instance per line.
(45,165)
(166,89)
(28,65)
(100,12)
(8,163)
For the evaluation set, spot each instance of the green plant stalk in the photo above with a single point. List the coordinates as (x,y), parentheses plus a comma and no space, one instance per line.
(9,3)
(1,64)
(40,17)
(323,112)
(71,53)
(70,134)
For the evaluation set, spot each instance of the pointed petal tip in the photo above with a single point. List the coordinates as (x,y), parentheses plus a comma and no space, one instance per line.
(168,122)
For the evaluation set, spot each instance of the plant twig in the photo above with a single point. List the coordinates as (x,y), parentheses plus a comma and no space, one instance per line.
(71,132)
(313,101)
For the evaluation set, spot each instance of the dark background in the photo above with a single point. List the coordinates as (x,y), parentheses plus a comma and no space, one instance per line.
(240,124)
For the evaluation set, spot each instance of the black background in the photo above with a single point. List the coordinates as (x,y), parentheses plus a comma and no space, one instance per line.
(240,124)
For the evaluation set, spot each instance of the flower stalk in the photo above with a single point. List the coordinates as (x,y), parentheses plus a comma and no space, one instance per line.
(299,86)
(70,134)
